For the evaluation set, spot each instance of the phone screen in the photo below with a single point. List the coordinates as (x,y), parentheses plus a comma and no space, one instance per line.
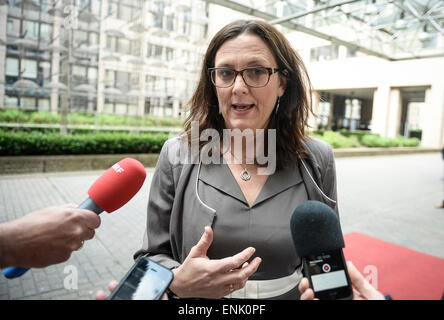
(146,280)
(328,276)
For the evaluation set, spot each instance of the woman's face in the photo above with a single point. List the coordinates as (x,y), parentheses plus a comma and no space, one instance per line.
(242,106)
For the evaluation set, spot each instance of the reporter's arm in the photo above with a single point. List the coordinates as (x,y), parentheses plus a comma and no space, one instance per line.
(46,236)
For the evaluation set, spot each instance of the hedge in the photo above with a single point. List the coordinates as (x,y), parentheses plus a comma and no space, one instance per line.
(36,143)
(45,117)
(351,139)
(382,142)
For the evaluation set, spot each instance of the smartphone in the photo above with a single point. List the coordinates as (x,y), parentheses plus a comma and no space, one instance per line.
(146,280)
(328,276)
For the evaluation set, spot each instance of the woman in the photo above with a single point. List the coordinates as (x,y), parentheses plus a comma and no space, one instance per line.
(251,79)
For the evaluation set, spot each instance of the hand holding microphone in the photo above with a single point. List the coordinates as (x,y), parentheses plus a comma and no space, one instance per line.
(46,236)
(318,240)
(49,235)
(362,289)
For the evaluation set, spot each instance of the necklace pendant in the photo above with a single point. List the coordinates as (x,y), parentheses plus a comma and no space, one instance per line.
(245,175)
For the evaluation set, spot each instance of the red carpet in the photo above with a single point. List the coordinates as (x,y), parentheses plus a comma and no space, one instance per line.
(403,273)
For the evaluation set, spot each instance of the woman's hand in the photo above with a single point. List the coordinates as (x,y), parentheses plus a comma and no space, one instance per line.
(200,277)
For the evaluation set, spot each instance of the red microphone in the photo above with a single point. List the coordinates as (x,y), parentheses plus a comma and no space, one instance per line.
(111,191)
(115,187)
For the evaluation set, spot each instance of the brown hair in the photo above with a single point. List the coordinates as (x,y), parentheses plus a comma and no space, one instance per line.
(295,104)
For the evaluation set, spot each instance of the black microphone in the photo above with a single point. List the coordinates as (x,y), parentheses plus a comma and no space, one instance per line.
(318,240)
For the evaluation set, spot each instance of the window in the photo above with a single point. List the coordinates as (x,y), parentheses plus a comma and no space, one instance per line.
(95,7)
(43,104)
(112,9)
(12,67)
(32,29)
(122,80)
(157,52)
(132,110)
(29,68)
(11,102)
(80,37)
(44,72)
(27,103)
(169,54)
(150,83)
(169,86)
(124,12)
(111,43)
(79,71)
(92,75)
(135,47)
(324,53)
(149,50)
(10,27)
(108,108)
(134,84)
(186,21)
(170,22)
(158,8)
(46,32)
(93,38)
(123,45)
(109,78)
(121,108)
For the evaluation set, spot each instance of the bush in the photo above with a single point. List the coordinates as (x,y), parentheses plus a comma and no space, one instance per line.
(337,140)
(76,118)
(359,134)
(410,142)
(382,142)
(37,143)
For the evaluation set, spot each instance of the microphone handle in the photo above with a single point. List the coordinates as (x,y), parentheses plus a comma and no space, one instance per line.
(89,204)
(15,272)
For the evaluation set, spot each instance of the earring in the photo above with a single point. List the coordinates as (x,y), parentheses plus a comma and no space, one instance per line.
(277,104)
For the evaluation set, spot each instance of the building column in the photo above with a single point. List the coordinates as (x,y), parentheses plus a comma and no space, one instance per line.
(3,26)
(381,98)
(433,116)
(55,62)
(313,119)
(101,68)
(394,113)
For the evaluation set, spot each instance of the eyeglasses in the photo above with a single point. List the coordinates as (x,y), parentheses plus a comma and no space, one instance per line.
(255,77)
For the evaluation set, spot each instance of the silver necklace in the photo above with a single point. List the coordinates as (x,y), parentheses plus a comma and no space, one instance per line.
(245,174)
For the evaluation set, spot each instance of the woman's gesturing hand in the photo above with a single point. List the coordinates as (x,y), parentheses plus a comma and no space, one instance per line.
(200,277)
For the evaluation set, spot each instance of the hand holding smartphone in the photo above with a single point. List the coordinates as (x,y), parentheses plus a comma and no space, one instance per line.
(146,280)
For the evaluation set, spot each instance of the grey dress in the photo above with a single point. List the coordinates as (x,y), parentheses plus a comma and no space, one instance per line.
(184,198)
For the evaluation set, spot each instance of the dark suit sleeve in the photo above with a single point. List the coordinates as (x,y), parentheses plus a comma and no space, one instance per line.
(156,240)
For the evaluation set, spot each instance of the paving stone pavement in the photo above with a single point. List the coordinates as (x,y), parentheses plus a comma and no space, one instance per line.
(388,197)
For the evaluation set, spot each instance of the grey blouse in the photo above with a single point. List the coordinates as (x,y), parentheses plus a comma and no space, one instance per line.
(178,210)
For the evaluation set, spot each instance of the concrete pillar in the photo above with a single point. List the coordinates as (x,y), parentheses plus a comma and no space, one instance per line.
(433,116)
(100,67)
(3,22)
(313,120)
(381,98)
(55,62)
(394,113)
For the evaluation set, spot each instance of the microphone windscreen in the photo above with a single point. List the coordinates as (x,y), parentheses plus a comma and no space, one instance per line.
(315,228)
(116,186)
